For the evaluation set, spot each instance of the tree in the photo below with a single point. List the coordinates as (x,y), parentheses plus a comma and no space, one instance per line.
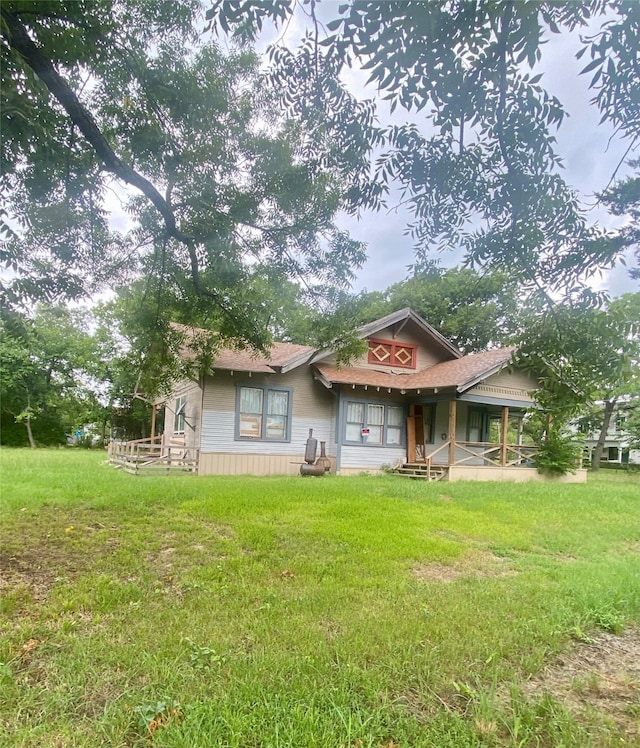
(228,193)
(623,198)
(584,355)
(478,164)
(626,382)
(473,310)
(44,374)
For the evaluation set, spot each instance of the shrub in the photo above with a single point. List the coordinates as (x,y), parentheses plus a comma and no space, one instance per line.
(559,453)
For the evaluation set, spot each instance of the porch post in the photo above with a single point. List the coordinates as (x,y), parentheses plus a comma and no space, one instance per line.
(153,423)
(452,430)
(504,435)
(411,434)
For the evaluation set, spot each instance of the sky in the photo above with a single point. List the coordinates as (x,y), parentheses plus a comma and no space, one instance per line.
(589,152)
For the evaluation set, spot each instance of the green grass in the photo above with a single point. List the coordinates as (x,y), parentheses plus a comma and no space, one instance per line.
(185,612)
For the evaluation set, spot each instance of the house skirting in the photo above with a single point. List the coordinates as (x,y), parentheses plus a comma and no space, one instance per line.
(511,474)
(229,463)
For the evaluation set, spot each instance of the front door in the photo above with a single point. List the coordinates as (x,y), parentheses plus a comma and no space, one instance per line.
(416,447)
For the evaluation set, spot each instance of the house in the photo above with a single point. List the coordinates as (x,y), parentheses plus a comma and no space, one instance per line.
(617,443)
(412,401)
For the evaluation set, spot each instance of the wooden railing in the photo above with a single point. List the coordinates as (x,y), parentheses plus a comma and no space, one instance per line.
(429,460)
(151,455)
(487,453)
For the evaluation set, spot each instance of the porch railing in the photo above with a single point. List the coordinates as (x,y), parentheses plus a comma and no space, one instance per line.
(151,455)
(485,453)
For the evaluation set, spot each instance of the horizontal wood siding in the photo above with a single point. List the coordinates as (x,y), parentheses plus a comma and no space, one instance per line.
(193,415)
(249,464)
(520,380)
(506,384)
(370,458)
(312,408)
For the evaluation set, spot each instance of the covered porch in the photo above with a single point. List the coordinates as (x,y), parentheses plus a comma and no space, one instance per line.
(482,441)
(483,436)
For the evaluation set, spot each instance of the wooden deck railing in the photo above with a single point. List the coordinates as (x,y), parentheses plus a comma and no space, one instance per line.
(151,455)
(486,453)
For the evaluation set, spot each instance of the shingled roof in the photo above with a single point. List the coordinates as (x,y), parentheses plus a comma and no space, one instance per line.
(461,373)
(281,357)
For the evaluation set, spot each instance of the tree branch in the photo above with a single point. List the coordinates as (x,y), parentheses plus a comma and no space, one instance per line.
(19,40)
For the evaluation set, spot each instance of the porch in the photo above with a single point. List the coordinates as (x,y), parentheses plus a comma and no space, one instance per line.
(501,459)
(153,455)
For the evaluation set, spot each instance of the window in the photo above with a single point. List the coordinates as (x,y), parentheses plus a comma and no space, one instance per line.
(263,413)
(392,353)
(429,420)
(355,422)
(394,425)
(374,424)
(475,428)
(178,414)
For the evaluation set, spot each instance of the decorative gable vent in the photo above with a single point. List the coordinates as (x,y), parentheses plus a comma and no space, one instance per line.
(392,353)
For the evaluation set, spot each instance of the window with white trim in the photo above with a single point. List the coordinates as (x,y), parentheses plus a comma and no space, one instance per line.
(178,414)
(375,424)
(263,413)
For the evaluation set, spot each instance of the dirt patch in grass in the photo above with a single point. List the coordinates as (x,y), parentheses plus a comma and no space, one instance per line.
(38,569)
(480,564)
(50,545)
(601,676)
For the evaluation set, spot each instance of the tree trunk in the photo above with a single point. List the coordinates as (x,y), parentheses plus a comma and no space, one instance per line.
(27,425)
(609,405)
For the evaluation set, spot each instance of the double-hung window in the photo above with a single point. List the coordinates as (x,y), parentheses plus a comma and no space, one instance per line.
(178,414)
(373,423)
(477,426)
(263,413)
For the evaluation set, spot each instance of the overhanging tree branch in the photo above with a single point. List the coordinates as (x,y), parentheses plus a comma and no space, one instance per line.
(19,40)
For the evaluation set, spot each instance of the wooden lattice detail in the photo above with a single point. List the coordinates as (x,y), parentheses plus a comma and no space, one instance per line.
(391,353)
(404,355)
(380,353)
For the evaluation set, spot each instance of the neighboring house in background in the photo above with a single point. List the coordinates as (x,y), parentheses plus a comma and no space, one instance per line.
(411,400)
(616,445)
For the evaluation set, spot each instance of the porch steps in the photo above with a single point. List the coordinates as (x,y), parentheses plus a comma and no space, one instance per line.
(421,471)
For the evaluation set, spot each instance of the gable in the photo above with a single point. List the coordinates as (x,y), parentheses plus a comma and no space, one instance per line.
(503,386)
(387,342)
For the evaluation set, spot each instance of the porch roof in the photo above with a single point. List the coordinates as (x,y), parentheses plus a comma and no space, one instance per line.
(461,373)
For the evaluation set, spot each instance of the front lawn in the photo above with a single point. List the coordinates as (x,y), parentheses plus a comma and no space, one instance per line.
(361,612)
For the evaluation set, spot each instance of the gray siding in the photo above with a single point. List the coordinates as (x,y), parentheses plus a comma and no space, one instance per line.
(312,408)
(193,415)
(370,458)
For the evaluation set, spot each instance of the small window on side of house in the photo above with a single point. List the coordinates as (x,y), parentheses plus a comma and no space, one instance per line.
(179,408)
